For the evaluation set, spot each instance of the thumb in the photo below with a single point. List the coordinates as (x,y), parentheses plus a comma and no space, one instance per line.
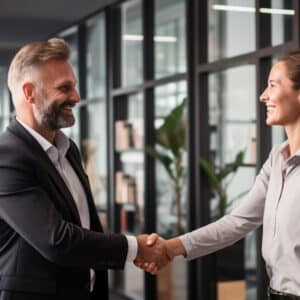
(152,238)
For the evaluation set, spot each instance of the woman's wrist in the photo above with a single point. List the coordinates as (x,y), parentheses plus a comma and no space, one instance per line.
(176,246)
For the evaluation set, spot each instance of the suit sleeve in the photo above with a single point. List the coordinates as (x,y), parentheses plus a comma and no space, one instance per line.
(29,211)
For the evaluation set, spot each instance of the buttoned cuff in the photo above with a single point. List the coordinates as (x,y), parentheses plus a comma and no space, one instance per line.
(186,244)
(132,248)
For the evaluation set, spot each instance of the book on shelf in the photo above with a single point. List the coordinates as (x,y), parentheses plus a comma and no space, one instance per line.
(137,133)
(122,135)
(128,135)
(127,220)
(125,188)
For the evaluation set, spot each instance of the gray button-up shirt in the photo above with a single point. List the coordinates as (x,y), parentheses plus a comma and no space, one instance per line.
(274,201)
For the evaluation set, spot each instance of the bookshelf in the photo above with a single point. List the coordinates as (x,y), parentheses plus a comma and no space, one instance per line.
(129,163)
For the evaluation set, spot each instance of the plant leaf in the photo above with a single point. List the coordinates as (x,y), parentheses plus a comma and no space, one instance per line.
(210,172)
(232,167)
(171,134)
(164,159)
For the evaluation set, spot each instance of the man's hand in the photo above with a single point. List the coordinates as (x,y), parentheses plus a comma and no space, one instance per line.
(174,247)
(152,253)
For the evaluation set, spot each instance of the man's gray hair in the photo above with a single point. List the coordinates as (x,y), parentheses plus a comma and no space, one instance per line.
(34,54)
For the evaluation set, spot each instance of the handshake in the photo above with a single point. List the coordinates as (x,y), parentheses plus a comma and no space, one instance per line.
(154,252)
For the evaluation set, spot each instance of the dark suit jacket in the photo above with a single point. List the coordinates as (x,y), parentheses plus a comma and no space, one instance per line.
(44,251)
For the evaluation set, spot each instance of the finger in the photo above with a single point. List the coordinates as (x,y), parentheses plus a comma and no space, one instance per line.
(155,271)
(139,264)
(152,238)
(152,267)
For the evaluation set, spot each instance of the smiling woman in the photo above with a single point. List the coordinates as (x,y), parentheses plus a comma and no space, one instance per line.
(282,97)
(273,201)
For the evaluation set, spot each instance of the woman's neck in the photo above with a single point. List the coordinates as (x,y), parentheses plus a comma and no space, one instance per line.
(293,134)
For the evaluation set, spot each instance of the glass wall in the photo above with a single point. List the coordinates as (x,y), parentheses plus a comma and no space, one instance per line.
(232,121)
(169,39)
(95,143)
(132,43)
(96,58)
(172,281)
(71,37)
(231,28)
(129,187)
(281,12)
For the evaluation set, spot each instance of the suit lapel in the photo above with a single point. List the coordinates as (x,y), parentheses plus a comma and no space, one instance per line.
(47,164)
(65,192)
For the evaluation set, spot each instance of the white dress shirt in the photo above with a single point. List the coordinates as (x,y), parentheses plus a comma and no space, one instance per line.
(57,155)
(274,201)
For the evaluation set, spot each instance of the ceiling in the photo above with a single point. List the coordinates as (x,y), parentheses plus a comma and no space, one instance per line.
(22,21)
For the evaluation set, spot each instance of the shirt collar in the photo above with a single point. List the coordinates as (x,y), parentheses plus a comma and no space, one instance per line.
(284,149)
(61,141)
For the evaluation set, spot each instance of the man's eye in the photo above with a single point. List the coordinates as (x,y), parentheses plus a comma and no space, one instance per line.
(64,88)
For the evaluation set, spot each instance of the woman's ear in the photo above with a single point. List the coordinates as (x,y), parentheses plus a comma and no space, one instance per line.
(29,91)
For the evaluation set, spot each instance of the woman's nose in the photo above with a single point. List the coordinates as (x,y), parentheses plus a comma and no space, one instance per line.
(263,97)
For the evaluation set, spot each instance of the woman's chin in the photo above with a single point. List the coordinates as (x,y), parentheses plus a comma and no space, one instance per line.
(271,122)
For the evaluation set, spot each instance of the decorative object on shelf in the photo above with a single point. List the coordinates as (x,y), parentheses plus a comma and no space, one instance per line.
(125,188)
(128,135)
(219,182)
(169,150)
(123,135)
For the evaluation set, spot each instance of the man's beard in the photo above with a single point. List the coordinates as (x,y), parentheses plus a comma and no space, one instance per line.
(53,117)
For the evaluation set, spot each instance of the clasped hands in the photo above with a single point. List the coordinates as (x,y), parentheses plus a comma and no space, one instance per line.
(154,252)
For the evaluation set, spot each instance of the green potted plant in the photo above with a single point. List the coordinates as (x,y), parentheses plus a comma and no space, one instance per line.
(230,260)
(220,178)
(169,151)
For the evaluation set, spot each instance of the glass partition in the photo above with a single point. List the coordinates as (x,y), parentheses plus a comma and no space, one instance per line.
(71,37)
(172,281)
(232,121)
(280,13)
(95,144)
(169,38)
(231,28)
(129,138)
(132,43)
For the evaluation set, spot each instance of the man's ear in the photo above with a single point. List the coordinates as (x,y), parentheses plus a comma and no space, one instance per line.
(29,91)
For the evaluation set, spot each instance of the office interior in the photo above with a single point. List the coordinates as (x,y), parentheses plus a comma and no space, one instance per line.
(136,61)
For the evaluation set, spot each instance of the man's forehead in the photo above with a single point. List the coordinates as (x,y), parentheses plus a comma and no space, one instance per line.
(65,81)
(58,71)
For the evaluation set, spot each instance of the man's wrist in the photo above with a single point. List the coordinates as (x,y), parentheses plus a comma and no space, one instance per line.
(132,248)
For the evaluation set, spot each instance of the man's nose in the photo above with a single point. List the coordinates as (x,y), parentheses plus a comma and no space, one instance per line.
(75,97)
